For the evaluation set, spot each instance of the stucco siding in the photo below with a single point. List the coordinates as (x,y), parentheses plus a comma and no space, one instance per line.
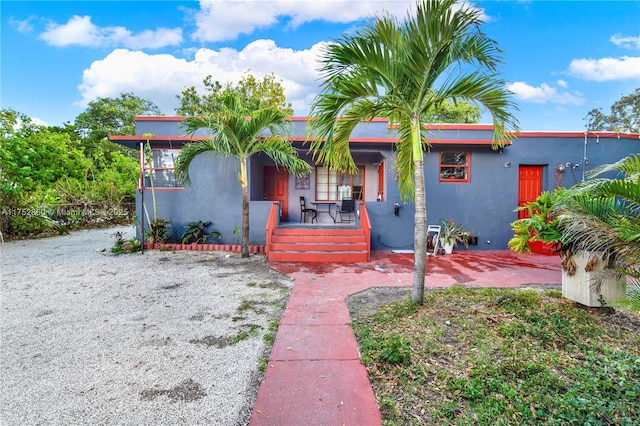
(484,205)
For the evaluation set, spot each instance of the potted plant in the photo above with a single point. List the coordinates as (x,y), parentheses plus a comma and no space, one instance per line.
(540,225)
(451,234)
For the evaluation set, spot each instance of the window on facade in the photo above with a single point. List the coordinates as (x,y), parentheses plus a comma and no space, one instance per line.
(454,166)
(334,186)
(162,169)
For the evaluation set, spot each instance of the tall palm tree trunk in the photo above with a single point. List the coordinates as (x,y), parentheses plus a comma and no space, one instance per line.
(245,221)
(420,232)
(245,207)
(420,227)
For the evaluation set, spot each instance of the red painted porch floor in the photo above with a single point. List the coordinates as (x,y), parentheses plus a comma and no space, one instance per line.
(314,375)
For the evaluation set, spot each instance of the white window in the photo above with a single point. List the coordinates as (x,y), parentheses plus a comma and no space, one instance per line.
(334,186)
(162,169)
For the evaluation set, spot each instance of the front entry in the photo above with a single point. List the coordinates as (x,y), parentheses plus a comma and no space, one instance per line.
(276,188)
(529,186)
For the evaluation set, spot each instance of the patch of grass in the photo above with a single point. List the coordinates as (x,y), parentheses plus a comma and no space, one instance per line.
(246,331)
(262,364)
(502,357)
(395,350)
(250,305)
(269,339)
(270,336)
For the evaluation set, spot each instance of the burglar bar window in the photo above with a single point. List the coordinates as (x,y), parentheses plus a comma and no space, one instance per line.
(454,166)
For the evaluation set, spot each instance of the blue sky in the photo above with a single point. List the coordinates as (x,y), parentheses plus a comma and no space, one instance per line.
(562,58)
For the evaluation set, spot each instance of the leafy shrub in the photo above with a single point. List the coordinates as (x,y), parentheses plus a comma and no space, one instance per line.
(396,350)
(159,232)
(196,232)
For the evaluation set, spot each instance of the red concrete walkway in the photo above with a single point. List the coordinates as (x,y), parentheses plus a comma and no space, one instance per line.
(314,375)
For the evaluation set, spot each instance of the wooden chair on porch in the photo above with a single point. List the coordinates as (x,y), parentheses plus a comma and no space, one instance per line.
(304,210)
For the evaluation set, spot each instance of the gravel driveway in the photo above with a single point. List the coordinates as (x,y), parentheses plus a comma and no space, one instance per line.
(88,337)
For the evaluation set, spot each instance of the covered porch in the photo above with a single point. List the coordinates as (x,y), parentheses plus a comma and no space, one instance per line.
(322,190)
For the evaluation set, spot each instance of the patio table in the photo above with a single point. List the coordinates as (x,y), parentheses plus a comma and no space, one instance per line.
(325,207)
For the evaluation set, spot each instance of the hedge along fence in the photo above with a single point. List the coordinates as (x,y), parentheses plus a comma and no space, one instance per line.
(63,217)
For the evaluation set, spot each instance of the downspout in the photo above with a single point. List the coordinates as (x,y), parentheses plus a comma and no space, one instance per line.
(141,189)
(585,160)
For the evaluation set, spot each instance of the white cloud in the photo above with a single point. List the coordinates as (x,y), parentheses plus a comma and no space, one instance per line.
(225,20)
(23,26)
(606,69)
(628,42)
(159,78)
(543,94)
(562,83)
(39,122)
(80,31)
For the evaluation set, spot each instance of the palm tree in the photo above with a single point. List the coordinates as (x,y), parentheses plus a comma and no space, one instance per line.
(235,131)
(403,71)
(603,215)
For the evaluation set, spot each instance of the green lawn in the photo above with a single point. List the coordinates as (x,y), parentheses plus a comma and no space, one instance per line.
(502,357)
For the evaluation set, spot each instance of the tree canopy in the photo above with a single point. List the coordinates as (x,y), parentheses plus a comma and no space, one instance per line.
(106,117)
(255,94)
(72,164)
(624,116)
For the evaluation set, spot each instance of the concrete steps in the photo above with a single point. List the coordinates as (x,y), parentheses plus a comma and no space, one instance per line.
(318,245)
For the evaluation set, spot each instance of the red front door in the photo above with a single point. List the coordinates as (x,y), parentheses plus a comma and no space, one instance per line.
(276,188)
(529,186)
(381,181)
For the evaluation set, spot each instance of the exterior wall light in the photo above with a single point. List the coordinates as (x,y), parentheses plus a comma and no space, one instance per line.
(559,168)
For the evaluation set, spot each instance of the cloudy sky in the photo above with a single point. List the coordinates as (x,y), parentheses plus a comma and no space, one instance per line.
(562,58)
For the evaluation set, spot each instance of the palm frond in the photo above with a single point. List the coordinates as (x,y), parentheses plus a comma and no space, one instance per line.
(628,167)
(191,150)
(282,153)
(603,214)
(392,69)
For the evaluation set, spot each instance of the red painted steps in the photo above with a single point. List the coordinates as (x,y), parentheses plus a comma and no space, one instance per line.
(318,245)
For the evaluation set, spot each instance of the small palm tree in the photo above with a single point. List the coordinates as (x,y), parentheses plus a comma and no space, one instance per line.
(235,131)
(405,71)
(603,215)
